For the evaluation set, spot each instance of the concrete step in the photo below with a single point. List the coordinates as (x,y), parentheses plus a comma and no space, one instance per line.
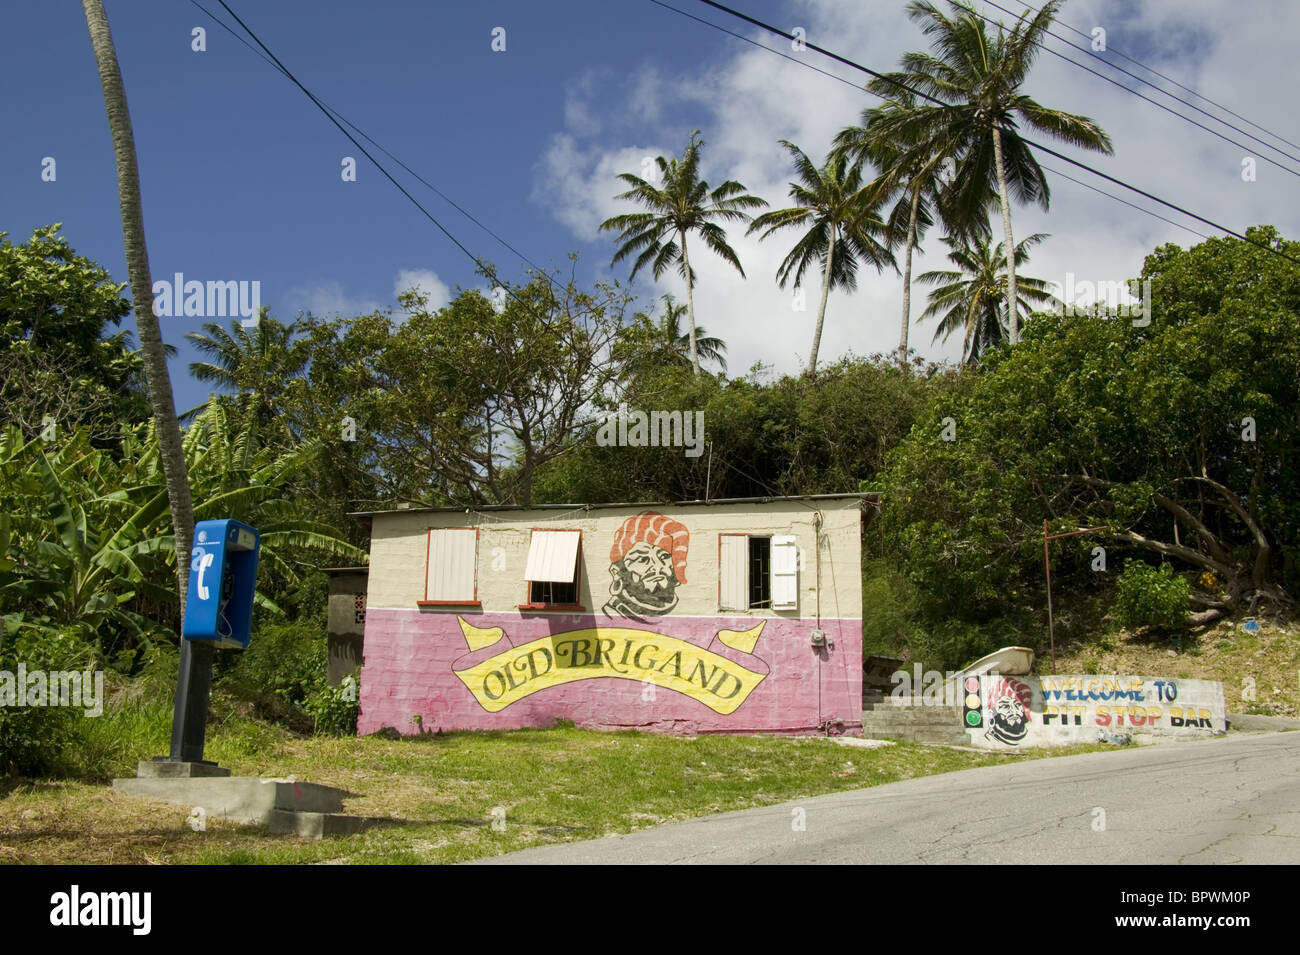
(317,825)
(908,703)
(912,719)
(247,799)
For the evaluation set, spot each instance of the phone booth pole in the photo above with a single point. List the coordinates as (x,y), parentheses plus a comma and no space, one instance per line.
(190,716)
(1047,562)
(218,613)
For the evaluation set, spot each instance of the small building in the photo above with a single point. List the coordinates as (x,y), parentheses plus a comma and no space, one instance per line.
(345,621)
(734,616)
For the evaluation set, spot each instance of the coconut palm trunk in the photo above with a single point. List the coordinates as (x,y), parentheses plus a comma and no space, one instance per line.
(821,310)
(137,267)
(1013,317)
(907,272)
(690,304)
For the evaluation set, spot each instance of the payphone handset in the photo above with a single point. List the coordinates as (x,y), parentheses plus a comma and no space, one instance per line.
(205,564)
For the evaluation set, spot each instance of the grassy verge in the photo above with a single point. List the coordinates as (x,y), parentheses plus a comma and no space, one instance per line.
(555,785)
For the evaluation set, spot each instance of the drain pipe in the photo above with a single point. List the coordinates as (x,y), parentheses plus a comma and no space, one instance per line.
(817,541)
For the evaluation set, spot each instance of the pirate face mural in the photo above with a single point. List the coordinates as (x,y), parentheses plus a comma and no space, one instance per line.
(647,562)
(1009,717)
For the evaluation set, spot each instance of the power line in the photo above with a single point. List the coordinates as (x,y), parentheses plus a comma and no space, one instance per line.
(1143,96)
(1168,79)
(858,88)
(360,132)
(1028,142)
(1132,205)
(285,70)
(488,269)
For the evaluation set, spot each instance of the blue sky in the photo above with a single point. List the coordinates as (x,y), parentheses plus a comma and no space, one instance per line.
(241,174)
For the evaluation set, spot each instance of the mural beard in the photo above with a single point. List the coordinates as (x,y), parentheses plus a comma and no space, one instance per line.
(653,593)
(1008,724)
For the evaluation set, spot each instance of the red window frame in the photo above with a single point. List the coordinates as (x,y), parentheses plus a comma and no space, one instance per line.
(426,602)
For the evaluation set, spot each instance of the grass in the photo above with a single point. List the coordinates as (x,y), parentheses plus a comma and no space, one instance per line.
(444,791)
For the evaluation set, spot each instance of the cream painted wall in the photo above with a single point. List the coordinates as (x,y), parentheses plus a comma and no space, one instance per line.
(398,548)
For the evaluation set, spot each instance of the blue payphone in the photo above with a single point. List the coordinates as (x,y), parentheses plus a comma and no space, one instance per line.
(223,575)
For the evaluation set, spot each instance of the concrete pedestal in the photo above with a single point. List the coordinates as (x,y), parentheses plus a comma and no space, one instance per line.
(168,769)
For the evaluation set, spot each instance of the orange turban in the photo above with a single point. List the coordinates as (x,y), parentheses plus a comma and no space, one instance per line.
(654,528)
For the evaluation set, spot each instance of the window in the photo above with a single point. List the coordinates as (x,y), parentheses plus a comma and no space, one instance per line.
(760,586)
(758,572)
(450,569)
(552,569)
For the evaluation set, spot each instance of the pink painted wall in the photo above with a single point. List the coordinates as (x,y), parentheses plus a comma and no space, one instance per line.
(410,657)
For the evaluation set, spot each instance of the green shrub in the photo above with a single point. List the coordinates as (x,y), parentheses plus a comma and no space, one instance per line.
(334,708)
(896,621)
(1149,597)
(285,664)
(888,611)
(36,740)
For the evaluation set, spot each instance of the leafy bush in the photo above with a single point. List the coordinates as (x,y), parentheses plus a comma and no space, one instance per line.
(898,621)
(284,665)
(34,740)
(1147,597)
(334,708)
(888,610)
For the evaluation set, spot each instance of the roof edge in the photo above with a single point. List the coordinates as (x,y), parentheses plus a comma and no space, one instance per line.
(464,509)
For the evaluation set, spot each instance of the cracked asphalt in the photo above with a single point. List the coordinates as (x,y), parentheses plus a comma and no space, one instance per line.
(1223,801)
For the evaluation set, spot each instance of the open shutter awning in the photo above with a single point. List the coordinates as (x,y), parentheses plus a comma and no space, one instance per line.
(553,556)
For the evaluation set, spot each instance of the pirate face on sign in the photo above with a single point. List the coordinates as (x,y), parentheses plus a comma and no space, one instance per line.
(1009,722)
(647,562)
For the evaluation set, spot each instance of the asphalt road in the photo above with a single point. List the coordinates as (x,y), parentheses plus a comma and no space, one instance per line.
(1222,801)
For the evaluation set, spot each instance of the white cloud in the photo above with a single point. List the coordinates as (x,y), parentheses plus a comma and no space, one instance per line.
(426,282)
(326,299)
(750,99)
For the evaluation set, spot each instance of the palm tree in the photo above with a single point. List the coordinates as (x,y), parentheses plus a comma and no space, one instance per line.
(911,172)
(841,228)
(258,362)
(973,298)
(977,78)
(683,205)
(653,343)
(137,266)
(678,343)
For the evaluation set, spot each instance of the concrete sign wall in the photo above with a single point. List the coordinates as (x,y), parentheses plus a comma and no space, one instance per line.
(1012,712)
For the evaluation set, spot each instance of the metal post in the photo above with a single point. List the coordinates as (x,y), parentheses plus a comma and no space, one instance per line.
(1047,562)
(190,716)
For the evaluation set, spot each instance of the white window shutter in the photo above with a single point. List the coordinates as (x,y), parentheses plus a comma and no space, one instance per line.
(553,556)
(733,571)
(785,573)
(452,557)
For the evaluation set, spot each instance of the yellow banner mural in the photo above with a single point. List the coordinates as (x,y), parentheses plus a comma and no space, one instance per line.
(641,655)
